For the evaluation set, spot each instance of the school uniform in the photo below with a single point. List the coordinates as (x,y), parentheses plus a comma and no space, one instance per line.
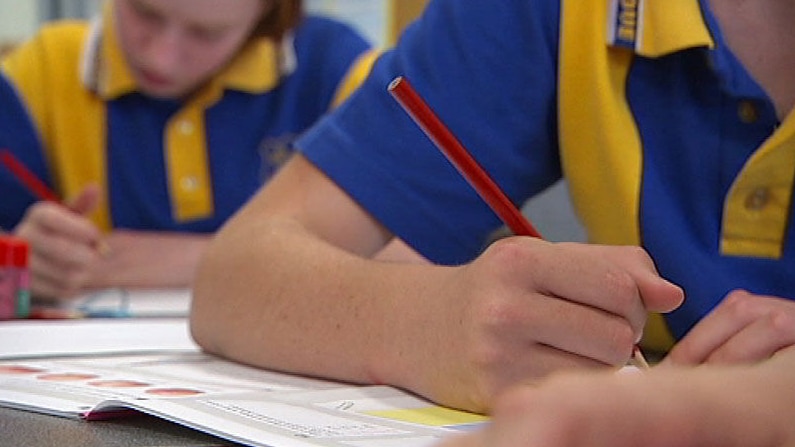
(664,137)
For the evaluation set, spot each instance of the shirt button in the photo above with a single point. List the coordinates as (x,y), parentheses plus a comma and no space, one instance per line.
(186,127)
(757,199)
(747,112)
(188,183)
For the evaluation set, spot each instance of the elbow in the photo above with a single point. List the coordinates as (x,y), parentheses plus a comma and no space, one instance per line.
(201,332)
(200,328)
(205,321)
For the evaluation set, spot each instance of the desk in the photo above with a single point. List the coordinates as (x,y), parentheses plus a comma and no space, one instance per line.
(24,428)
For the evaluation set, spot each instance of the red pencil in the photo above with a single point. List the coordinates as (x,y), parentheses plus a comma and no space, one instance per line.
(435,129)
(422,114)
(27,178)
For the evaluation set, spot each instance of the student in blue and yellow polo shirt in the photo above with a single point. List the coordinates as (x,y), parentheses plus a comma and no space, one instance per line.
(672,121)
(154,123)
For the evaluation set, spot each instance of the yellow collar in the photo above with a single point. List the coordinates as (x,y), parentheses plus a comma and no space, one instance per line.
(256,68)
(655,28)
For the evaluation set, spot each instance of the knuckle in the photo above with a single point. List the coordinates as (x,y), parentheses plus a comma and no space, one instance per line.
(640,254)
(41,212)
(494,315)
(624,338)
(487,356)
(621,341)
(621,284)
(508,251)
(517,252)
(783,324)
(739,304)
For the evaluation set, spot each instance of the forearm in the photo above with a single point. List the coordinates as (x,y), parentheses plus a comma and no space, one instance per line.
(771,393)
(138,259)
(742,405)
(737,406)
(290,301)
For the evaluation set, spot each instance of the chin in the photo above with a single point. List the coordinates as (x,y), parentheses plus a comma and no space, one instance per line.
(162,93)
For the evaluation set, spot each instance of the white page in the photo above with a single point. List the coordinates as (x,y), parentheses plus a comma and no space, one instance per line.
(39,338)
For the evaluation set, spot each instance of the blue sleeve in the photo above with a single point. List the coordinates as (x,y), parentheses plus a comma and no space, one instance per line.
(489,70)
(17,135)
(325,51)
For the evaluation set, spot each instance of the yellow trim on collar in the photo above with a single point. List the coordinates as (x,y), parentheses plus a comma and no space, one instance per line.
(600,144)
(113,75)
(757,210)
(256,69)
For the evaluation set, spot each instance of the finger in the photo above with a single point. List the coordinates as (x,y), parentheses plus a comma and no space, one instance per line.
(58,266)
(86,201)
(582,330)
(59,251)
(84,204)
(54,280)
(562,270)
(731,316)
(658,294)
(57,220)
(43,287)
(758,341)
(535,363)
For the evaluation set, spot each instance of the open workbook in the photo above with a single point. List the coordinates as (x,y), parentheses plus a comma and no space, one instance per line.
(239,403)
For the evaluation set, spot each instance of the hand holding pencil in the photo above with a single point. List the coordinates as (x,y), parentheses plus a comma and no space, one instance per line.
(64,243)
(483,184)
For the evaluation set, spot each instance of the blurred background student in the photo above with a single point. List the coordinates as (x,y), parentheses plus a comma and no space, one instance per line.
(154,123)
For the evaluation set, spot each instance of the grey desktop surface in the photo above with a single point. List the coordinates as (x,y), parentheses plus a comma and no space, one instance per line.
(24,428)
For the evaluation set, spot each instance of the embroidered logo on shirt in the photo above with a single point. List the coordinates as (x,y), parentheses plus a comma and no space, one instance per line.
(275,151)
(626,23)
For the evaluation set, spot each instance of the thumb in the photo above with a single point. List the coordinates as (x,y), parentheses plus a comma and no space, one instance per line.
(86,201)
(660,295)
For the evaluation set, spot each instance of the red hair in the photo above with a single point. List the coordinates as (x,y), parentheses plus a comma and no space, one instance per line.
(283,16)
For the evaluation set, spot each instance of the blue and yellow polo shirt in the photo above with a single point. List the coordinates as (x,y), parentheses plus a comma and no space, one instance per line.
(170,165)
(664,137)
